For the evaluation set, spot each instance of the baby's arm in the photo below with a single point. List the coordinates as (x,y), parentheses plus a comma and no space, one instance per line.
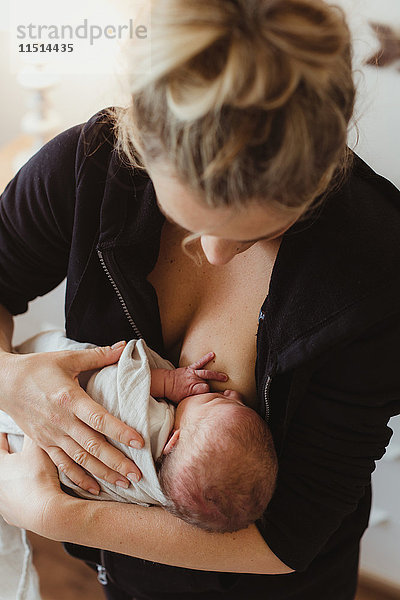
(176,384)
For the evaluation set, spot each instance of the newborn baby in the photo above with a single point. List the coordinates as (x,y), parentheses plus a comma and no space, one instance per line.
(211,461)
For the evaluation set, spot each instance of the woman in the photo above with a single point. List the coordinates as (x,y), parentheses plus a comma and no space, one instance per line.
(238,138)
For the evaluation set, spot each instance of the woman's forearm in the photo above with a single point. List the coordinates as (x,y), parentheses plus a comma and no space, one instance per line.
(154,534)
(6,329)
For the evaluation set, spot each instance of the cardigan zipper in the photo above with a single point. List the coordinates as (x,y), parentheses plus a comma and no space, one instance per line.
(268,378)
(267,387)
(119,296)
(101,570)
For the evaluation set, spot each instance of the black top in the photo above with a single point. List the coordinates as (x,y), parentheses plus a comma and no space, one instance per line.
(327,342)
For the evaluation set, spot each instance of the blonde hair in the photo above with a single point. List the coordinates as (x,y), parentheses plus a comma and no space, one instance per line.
(245,100)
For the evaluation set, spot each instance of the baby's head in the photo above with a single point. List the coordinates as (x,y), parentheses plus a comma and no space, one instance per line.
(219,467)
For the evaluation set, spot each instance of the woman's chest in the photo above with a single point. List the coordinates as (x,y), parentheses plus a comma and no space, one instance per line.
(212,308)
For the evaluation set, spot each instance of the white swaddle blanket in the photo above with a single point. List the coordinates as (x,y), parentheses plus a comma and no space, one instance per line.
(124,390)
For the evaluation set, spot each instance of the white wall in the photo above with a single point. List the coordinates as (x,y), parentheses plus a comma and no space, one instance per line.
(378,105)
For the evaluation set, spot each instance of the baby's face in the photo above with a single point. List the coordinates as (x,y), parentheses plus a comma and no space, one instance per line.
(192,408)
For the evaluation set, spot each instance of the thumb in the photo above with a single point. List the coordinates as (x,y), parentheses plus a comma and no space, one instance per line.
(95,358)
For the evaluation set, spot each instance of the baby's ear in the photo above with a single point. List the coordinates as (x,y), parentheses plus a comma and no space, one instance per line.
(171,441)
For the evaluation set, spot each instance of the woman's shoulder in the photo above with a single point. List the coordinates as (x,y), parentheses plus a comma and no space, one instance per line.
(363,216)
(95,142)
(357,223)
(337,272)
(374,192)
(99,157)
(98,131)
(62,157)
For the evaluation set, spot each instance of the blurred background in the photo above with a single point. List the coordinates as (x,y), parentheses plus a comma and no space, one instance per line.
(39,100)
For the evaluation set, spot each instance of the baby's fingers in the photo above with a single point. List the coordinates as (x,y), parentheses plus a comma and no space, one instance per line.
(214,375)
(203,361)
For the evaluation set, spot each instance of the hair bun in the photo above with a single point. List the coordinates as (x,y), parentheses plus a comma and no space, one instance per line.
(244,99)
(240,52)
(277,43)
(303,40)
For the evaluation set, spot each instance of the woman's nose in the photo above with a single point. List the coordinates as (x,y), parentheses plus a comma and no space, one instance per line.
(217,251)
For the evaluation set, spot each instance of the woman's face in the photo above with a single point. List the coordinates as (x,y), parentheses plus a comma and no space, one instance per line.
(224,232)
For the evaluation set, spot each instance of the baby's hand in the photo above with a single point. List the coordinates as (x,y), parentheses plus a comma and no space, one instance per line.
(187,381)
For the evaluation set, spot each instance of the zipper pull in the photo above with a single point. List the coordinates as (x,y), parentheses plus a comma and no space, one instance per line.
(102,575)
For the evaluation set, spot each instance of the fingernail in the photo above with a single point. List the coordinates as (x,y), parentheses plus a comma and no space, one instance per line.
(123,484)
(118,345)
(134,477)
(94,491)
(135,444)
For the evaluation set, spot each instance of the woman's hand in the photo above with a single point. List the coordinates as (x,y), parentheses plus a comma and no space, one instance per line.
(42,394)
(29,486)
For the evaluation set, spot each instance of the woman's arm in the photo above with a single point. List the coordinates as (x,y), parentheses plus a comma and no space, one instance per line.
(156,535)
(30,497)
(41,392)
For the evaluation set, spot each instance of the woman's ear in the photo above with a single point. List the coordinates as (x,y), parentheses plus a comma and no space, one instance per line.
(173,439)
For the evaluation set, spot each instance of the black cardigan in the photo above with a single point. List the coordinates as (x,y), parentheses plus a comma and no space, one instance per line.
(327,342)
